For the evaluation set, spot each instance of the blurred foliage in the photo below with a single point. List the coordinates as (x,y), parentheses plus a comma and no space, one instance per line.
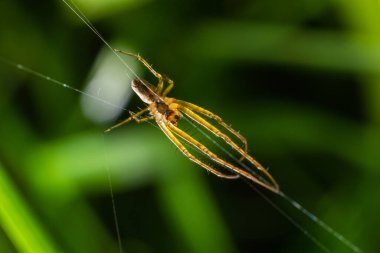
(300,79)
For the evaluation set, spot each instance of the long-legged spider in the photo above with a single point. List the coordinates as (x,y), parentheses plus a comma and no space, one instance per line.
(168,111)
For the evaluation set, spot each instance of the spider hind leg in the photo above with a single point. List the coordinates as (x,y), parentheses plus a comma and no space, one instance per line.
(271,184)
(184,150)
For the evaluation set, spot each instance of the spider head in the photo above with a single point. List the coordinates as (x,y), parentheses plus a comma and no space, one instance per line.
(143,90)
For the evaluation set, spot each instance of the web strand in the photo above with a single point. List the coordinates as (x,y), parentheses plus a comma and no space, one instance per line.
(115,217)
(287,216)
(71,5)
(64,85)
(320,223)
(290,200)
(295,204)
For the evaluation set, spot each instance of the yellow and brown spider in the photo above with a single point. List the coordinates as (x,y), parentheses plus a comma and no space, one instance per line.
(168,111)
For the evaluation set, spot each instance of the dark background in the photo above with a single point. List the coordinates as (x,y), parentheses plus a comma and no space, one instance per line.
(299,79)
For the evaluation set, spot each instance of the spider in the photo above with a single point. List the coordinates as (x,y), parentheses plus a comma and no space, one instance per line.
(167,112)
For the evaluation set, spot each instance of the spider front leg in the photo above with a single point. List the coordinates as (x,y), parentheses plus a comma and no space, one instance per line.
(160,78)
(138,57)
(170,86)
(132,117)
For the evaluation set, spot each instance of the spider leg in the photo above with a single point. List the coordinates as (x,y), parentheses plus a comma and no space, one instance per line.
(155,73)
(184,107)
(211,128)
(132,117)
(170,86)
(160,78)
(215,117)
(216,131)
(187,108)
(274,187)
(183,149)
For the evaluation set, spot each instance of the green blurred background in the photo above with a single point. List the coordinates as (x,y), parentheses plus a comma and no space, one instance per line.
(300,79)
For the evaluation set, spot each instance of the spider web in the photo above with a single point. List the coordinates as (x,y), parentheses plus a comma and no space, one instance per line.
(130,73)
